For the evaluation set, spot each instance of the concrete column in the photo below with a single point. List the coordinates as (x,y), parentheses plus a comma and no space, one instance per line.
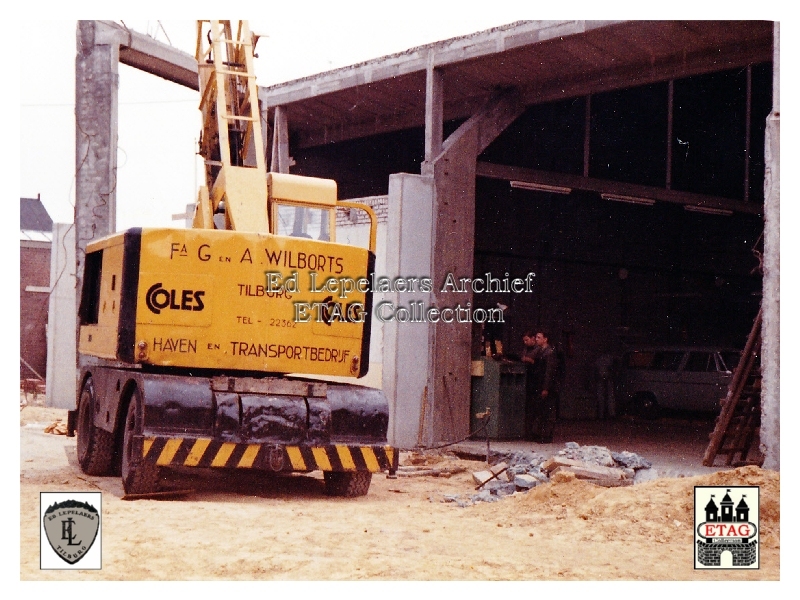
(453,253)
(434,111)
(454,172)
(407,349)
(96,111)
(96,114)
(426,368)
(61,349)
(770,351)
(101,45)
(280,161)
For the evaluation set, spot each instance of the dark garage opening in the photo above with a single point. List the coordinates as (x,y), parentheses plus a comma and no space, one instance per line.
(613,275)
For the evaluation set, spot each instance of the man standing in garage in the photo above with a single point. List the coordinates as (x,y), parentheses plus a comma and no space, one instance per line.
(532,386)
(547,379)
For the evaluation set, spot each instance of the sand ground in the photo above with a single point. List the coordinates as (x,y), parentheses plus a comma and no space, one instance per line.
(248,528)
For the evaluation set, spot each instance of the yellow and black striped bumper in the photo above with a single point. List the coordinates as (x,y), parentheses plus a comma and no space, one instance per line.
(208,452)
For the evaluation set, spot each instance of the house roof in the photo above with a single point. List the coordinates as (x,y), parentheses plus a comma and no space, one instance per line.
(33,216)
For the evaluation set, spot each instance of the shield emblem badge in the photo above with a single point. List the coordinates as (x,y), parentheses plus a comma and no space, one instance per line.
(71,527)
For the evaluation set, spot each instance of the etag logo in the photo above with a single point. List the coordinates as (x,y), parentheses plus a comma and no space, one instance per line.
(159,298)
(726,527)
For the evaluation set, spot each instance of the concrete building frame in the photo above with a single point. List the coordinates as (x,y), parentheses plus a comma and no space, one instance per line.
(432,384)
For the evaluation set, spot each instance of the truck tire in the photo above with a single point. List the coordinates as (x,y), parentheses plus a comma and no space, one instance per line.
(95,446)
(349,484)
(138,476)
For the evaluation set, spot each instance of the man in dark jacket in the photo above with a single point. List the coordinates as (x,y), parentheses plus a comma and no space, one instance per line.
(546,380)
(532,387)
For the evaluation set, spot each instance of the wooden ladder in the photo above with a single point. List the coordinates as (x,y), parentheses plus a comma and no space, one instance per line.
(737,426)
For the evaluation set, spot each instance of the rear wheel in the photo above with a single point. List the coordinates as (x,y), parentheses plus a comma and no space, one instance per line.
(348,484)
(138,476)
(95,446)
(645,405)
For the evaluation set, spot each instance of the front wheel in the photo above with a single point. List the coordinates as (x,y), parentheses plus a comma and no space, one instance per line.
(95,446)
(138,476)
(348,484)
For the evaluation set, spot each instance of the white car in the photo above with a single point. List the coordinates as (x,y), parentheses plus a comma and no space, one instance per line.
(690,378)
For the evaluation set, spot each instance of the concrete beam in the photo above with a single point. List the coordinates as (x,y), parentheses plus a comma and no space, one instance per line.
(498,113)
(438,56)
(151,56)
(561,88)
(603,186)
(418,59)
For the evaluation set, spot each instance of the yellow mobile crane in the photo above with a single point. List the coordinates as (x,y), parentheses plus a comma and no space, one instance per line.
(188,337)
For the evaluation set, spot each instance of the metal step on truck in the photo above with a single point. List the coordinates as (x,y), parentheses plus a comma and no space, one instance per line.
(208,347)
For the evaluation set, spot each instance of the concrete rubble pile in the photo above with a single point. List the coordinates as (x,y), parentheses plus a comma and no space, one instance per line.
(519,472)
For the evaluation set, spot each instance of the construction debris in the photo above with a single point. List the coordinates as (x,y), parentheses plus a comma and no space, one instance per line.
(57,428)
(631,460)
(483,477)
(597,455)
(591,477)
(520,472)
(525,482)
(605,476)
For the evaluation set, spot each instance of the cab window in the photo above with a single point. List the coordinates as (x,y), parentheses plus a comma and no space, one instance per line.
(304,222)
(90,294)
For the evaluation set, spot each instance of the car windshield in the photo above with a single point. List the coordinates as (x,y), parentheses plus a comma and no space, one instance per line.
(700,362)
(731,359)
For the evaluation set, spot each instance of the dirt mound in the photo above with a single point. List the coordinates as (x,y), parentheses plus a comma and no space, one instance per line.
(662,508)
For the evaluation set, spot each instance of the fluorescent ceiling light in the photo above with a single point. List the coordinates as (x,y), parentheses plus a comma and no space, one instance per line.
(708,210)
(540,187)
(628,199)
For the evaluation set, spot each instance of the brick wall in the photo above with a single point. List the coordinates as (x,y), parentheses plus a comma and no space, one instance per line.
(379,204)
(34,270)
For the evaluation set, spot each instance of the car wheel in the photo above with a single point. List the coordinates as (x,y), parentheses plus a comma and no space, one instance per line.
(349,484)
(646,406)
(95,446)
(138,476)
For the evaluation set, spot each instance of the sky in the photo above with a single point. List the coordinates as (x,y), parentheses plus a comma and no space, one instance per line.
(158,172)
